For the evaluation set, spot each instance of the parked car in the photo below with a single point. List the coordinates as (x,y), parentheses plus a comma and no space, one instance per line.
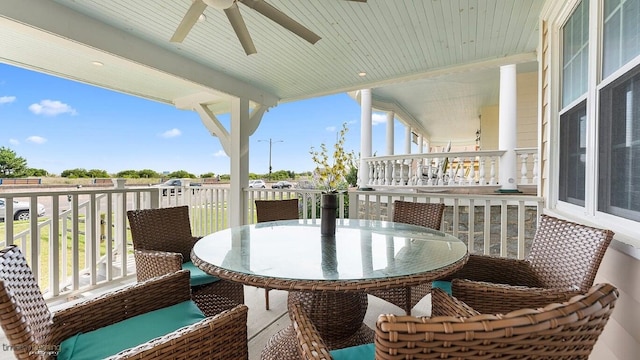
(282,185)
(305,184)
(257,184)
(170,186)
(20,210)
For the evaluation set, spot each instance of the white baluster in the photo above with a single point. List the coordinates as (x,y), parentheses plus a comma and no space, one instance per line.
(482,180)
(472,171)
(452,175)
(492,179)
(397,169)
(430,173)
(372,174)
(419,172)
(523,169)
(460,172)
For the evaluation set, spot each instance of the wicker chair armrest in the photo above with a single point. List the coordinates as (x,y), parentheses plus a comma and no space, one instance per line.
(498,270)
(223,336)
(152,263)
(444,305)
(310,344)
(121,304)
(490,298)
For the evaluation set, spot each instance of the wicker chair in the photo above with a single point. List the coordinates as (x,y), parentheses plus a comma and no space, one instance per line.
(557,331)
(162,243)
(35,333)
(273,210)
(423,214)
(563,262)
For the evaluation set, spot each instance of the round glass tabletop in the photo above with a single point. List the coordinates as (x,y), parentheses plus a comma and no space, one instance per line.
(360,250)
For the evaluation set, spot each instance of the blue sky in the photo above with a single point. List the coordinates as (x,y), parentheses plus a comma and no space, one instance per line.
(58,124)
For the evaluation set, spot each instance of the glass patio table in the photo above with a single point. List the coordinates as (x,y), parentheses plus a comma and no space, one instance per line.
(329,276)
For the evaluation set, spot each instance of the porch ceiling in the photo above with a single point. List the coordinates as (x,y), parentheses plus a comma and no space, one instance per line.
(433,61)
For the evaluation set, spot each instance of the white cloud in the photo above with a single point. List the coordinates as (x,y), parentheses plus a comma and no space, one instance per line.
(51,108)
(171,133)
(14,142)
(7,99)
(36,139)
(378,118)
(220,153)
(331,128)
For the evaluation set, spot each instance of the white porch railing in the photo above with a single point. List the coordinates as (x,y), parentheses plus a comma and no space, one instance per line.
(89,245)
(471,168)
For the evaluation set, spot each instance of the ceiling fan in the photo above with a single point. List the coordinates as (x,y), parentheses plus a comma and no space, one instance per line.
(232,11)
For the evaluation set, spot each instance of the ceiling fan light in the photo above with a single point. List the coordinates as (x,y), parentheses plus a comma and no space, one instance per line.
(219,4)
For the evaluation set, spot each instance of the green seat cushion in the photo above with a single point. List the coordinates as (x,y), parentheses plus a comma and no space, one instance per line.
(110,340)
(197,276)
(443,285)
(360,352)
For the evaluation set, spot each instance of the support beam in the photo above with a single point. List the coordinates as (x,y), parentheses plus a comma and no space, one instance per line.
(365,136)
(239,144)
(390,135)
(507,137)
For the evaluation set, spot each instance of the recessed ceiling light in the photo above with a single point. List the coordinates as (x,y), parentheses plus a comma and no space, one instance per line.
(362,74)
(97,63)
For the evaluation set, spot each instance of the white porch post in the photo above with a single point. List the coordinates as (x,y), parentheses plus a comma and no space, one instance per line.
(420,144)
(239,159)
(508,115)
(365,135)
(390,135)
(407,140)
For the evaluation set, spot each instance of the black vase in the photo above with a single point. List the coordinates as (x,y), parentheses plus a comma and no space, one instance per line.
(328,214)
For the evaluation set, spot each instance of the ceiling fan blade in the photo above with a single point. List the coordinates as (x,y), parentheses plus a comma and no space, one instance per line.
(190,18)
(235,18)
(282,19)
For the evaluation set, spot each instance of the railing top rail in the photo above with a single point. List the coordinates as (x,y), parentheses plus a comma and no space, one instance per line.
(80,191)
(451,154)
(507,197)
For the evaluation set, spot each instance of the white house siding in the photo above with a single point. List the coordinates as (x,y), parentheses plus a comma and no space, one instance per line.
(621,337)
(621,264)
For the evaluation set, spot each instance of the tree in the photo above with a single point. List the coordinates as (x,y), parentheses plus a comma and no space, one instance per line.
(207,175)
(36,172)
(11,165)
(128,174)
(75,173)
(97,173)
(148,174)
(182,174)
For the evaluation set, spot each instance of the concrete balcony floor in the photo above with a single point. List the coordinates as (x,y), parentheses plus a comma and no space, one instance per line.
(262,324)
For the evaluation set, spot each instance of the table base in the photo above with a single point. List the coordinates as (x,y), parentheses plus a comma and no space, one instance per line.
(337,316)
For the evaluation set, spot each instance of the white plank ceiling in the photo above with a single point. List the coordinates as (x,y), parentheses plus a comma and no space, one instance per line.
(436,59)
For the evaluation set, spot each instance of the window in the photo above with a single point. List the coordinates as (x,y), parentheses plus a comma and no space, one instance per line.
(619,147)
(573,145)
(575,54)
(573,121)
(621,34)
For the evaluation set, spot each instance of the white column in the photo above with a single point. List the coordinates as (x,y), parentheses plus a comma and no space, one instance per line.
(390,135)
(420,144)
(239,159)
(507,136)
(365,135)
(407,140)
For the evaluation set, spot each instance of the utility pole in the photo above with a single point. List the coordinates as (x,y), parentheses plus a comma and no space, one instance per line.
(271,142)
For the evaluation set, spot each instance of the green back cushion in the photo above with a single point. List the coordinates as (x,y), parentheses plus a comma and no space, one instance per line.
(360,352)
(443,285)
(197,276)
(112,339)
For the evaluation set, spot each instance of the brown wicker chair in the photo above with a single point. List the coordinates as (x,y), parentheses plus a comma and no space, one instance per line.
(35,333)
(422,214)
(273,210)
(162,243)
(563,262)
(557,331)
